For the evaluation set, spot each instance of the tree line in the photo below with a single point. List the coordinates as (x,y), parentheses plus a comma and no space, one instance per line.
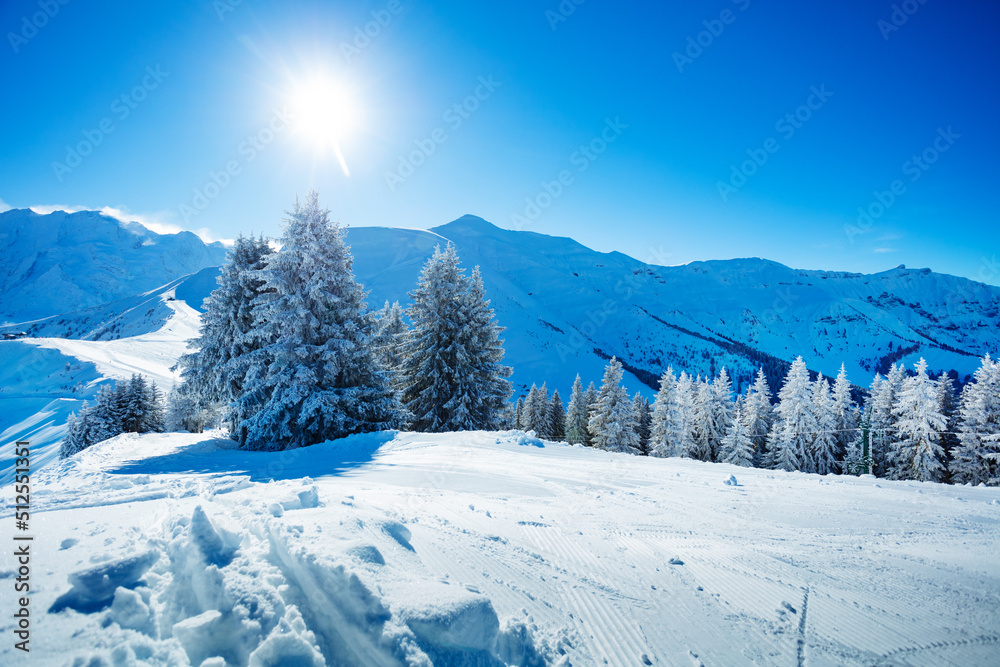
(913,426)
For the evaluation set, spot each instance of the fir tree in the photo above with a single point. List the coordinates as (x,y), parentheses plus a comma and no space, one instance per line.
(701,424)
(795,424)
(737,446)
(976,459)
(576,415)
(640,409)
(519,422)
(612,419)
(557,417)
(591,400)
(215,372)
(452,376)
(884,431)
(758,416)
(316,372)
(720,412)
(825,455)
(845,416)
(387,340)
(663,425)
(917,450)
(684,434)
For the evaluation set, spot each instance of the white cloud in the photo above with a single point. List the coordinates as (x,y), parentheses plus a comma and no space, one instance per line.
(3,206)
(152,222)
(885,249)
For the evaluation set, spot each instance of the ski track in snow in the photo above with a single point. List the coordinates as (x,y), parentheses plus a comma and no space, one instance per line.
(581,556)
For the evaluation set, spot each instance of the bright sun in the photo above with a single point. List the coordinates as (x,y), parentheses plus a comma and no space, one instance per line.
(325,113)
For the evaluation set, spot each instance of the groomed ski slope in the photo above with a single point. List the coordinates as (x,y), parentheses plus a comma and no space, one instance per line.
(490,549)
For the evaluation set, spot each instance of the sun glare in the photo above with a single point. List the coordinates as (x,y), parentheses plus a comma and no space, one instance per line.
(325,114)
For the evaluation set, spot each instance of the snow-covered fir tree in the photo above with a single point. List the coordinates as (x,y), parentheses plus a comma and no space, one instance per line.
(824,454)
(737,446)
(884,432)
(699,445)
(557,417)
(917,450)
(576,415)
(537,413)
(519,414)
(215,371)
(452,376)
(663,429)
(641,416)
(795,423)
(315,377)
(685,426)
(845,415)
(976,459)
(591,399)
(611,421)
(947,403)
(758,416)
(720,412)
(486,374)
(388,337)
(135,406)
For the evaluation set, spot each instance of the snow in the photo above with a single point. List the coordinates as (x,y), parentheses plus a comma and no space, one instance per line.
(496,548)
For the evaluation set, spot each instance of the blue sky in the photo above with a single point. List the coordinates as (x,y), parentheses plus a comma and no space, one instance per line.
(704,130)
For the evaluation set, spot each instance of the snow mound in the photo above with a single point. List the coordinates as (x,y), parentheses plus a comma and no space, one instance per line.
(94,588)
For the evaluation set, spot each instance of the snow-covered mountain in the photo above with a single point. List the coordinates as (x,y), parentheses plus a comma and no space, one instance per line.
(62,262)
(109,299)
(568,307)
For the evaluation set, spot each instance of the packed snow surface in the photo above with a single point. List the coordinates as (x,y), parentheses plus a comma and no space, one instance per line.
(493,549)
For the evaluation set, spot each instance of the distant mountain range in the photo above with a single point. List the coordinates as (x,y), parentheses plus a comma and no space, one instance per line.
(567,308)
(62,262)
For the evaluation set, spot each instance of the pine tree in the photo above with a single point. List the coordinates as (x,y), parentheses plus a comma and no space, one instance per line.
(824,454)
(557,417)
(917,450)
(663,425)
(795,423)
(538,411)
(485,372)
(452,376)
(976,459)
(945,391)
(576,416)
(215,371)
(590,397)
(884,431)
(317,374)
(612,419)
(720,412)
(519,422)
(387,340)
(640,409)
(737,446)
(702,424)
(845,416)
(758,415)
(684,434)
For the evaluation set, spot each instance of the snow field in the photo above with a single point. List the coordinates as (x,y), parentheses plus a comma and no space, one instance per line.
(497,548)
